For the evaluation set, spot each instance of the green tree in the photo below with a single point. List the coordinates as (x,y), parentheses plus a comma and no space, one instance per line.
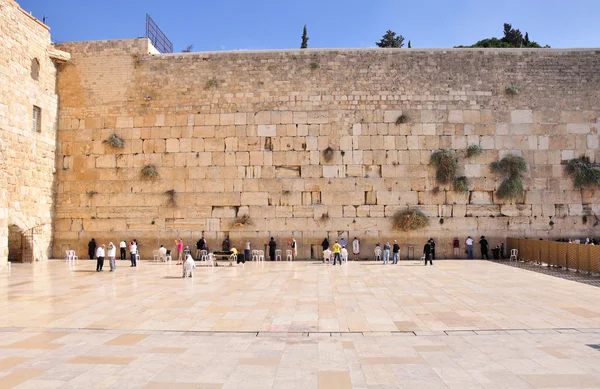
(409,46)
(512,38)
(391,40)
(305,38)
(188,49)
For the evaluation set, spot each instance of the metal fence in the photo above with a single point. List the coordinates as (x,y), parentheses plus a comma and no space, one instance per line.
(157,37)
(579,257)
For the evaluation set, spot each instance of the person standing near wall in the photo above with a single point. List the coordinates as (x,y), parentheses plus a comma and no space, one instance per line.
(386,253)
(355,248)
(100,258)
(247,251)
(432,244)
(92,248)
(456,247)
(484,247)
(272,247)
(469,243)
(199,247)
(396,252)
(427,253)
(179,246)
(123,249)
(325,244)
(133,250)
(342,241)
(337,251)
(294,246)
(112,253)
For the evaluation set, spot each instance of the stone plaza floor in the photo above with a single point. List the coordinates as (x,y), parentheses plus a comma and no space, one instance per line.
(458,324)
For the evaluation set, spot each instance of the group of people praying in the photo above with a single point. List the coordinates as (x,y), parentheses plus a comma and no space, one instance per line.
(101,251)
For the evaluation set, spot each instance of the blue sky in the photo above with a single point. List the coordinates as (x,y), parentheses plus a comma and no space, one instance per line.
(277,24)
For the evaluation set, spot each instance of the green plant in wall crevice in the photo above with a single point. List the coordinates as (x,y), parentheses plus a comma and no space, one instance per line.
(115,141)
(409,220)
(461,184)
(511,168)
(474,150)
(445,162)
(583,172)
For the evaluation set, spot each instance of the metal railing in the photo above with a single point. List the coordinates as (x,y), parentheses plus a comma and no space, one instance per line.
(157,37)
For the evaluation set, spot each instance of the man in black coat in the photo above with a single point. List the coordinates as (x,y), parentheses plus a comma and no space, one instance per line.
(272,247)
(92,248)
(427,253)
(484,247)
(432,244)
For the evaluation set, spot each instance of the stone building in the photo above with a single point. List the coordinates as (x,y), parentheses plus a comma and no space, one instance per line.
(309,143)
(28,124)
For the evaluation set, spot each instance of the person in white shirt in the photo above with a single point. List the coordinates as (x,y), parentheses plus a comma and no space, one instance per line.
(469,243)
(123,247)
(188,266)
(294,246)
(344,254)
(112,252)
(162,253)
(355,248)
(133,250)
(100,257)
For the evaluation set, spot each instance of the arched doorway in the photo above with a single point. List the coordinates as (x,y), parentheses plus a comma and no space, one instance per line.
(20,244)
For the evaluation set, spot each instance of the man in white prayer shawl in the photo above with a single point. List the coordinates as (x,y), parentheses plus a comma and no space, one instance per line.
(188,266)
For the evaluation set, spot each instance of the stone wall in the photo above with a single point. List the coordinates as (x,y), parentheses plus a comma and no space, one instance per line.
(27,157)
(240,138)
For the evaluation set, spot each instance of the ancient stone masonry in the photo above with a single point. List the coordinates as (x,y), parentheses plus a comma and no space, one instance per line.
(27,151)
(319,143)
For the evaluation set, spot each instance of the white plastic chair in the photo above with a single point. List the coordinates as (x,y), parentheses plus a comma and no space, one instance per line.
(68,257)
(261,255)
(74,257)
(288,255)
(168,258)
(204,255)
(156,257)
(254,255)
(514,254)
(422,260)
(137,259)
(378,254)
(210,258)
(278,255)
(326,256)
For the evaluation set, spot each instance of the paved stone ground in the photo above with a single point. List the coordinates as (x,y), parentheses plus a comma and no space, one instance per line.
(561,272)
(458,324)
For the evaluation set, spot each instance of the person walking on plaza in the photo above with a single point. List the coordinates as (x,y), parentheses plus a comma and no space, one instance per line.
(427,253)
(396,252)
(456,247)
(179,247)
(386,253)
(92,248)
(112,253)
(272,247)
(432,244)
(99,258)
(247,251)
(337,250)
(355,248)
(133,250)
(325,244)
(123,250)
(484,247)
(469,243)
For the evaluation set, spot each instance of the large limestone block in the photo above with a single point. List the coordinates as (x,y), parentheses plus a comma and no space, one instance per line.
(397,198)
(255,198)
(481,197)
(267,130)
(521,116)
(580,128)
(483,210)
(104,225)
(516,210)
(343,198)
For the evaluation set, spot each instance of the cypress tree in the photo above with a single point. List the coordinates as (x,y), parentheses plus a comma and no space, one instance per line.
(305,38)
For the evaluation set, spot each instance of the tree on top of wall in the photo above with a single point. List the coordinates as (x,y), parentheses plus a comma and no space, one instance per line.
(305,38)
(409,46)
(390,40)
(188,49)
(513,38)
